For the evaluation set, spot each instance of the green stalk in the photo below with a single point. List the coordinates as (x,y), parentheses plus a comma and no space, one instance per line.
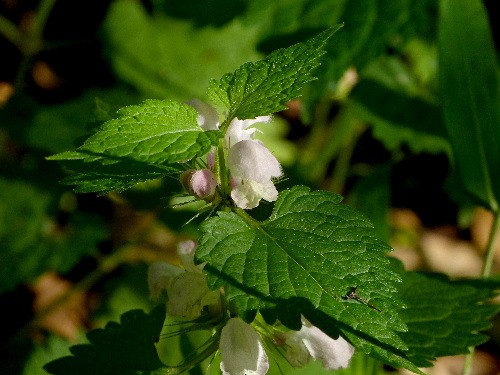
(221,171)
(485,273)
(315,145)
(10,31)
(490,249)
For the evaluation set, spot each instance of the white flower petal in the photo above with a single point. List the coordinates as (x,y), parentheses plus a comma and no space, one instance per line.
(333,354)
(186,295)
(238,130)
(160,277)
(185,250)
(208,118)
(252,160)
(241,350)
(244,197)
(247,194)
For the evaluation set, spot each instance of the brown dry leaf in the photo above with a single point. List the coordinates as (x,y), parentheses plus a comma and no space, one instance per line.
(446,254)
(67,319)
(483,364)
(407,229)
(6,91)
(45,77)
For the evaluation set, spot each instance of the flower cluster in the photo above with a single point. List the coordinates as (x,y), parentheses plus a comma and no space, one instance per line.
(185,285)
(240,345)
(242,350)
(252,167)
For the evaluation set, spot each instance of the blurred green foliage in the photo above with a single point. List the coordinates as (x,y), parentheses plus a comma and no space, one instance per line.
(386,96)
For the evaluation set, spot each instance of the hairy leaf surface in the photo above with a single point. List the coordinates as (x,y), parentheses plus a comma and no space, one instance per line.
(262,87)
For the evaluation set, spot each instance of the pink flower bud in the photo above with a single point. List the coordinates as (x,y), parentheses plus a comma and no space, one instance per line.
(199,182)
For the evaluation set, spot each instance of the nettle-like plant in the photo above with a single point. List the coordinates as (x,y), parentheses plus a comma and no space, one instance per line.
(311,281)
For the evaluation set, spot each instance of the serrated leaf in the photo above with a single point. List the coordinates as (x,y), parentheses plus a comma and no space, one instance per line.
(141,144)
(444,317)
(262,87)
(120,348)
(471,96)
(304,259)
(155,132)
(96,177)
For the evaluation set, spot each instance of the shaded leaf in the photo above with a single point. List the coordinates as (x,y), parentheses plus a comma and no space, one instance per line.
(471,96)
(120,348)
(444,317)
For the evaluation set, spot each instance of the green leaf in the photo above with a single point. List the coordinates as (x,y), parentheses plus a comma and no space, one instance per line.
(444,317)
(141,144)
(305,259)
(170,58)
(408,120)
(96,177)
(370,28)
(470,96)
(56,127)
(263,87)
(120,348)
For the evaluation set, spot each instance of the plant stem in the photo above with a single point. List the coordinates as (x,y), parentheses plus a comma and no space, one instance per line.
(490,249)
(10,31)
(315,143)
(485,273)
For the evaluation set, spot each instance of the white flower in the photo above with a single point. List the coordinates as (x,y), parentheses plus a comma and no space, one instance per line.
(239,130)
(208,118)
(186,286)
(247,194)
(310,341)
(251,160)
(160,276)
(251,165)
(241,350)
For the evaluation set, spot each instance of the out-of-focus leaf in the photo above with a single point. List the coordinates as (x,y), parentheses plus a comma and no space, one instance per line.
(398,118)
(372,196)
(31,241)
(203,12)
(55,128)
(471,96)
(369,28)
(120,348)
(54,347)
(167,58)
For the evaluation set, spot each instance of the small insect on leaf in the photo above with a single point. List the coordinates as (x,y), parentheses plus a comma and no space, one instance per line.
(353,295)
